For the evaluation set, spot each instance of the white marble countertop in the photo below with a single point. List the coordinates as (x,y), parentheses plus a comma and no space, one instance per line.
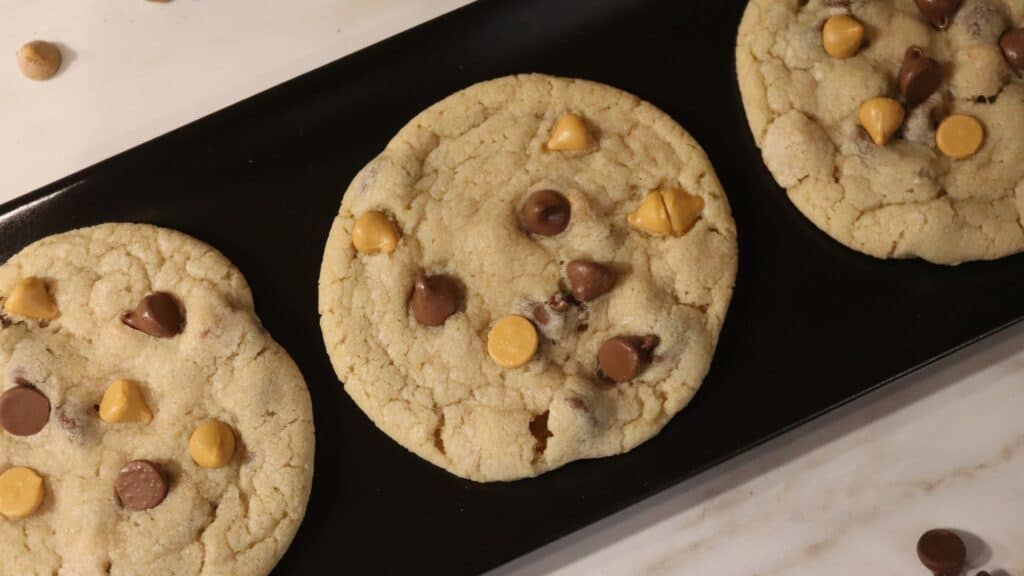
(847,494)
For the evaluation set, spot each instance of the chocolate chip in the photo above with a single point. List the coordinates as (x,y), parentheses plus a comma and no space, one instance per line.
(588,279)
(546,212)
(540,314)
(938,12)
(140,485)
(559,303)
(434,299)
(982,573)
(158,314)
(920,76)
(24,410)
(1012,44)
(942,552)
(622,358)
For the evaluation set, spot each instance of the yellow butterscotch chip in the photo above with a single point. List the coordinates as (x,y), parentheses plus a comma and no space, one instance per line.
(570,133)
(842,36)
(122,402)
(374,232)
(683,209)
(960,136)
(212,444)
(21,492)
(512,341)
(651,216)
(31,299)
(881,118)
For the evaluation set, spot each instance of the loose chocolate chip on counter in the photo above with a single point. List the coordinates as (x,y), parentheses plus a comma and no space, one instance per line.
(1012,44)
(158,314)
(939,12)
(920,76)
(588,279)
(434,299)
(622,358)
(24,410)
(546,212)
(140,485)
(942,552)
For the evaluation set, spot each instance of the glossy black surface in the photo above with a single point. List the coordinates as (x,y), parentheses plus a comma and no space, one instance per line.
(812,324)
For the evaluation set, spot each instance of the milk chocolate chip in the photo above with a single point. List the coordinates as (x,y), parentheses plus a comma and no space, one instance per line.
(588,279)
(938,12)
(158,314)
(24,410)
(622,358)
(140,485)
(1012,44)
(546,213)
(434,299)
(920,76)
(942,552)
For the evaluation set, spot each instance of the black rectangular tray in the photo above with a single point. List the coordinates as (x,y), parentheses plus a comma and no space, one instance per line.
(812,324)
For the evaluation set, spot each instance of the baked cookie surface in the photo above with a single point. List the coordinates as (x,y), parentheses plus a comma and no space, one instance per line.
(171,434)
(534,271)
(895,126)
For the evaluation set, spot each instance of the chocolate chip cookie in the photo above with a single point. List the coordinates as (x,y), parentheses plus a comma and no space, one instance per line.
(534,271)
(148,423)
(895,125)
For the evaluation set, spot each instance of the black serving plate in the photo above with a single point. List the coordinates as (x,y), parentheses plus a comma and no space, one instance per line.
(812,324)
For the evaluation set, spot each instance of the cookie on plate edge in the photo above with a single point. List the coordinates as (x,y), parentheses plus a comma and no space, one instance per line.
(897,127)
(150,425)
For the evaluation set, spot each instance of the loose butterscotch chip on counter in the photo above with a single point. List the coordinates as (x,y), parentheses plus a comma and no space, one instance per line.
(21,492)
(570,134)
(512,341)
(374,233)
(123,402)
(212,444)
(842,36)
(39,60)
(31,299)
(960,136)
(881,118)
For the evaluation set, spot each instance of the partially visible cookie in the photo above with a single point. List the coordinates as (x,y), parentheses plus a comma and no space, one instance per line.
(148,423)
(895,126)
(534,271)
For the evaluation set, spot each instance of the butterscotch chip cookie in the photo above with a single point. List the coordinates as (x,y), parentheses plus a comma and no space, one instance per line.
(906,143)
(120,344)
(475,342)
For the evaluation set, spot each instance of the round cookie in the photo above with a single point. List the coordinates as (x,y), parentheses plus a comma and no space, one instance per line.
(118,341)
(463,331)
(902,140)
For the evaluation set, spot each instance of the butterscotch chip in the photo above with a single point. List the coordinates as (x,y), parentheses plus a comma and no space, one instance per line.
(39,60)
(960,136)
(21,492)
(480,384)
